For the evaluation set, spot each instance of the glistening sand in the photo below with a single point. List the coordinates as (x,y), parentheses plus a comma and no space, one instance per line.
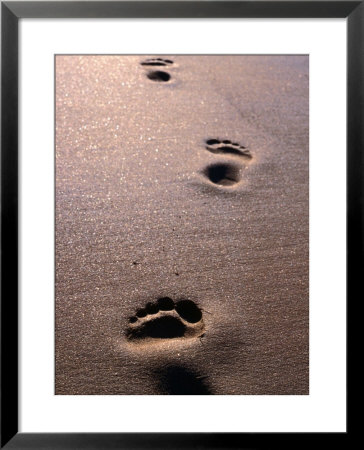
(137,219)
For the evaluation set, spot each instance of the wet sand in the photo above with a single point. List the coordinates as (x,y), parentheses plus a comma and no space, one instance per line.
(181,259)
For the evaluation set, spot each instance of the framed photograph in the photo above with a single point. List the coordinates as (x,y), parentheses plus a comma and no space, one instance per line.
(181,207)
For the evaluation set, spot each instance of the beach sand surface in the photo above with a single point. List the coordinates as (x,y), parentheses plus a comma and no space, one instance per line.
(151,204)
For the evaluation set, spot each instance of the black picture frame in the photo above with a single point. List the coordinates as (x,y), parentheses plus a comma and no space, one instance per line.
(11,12)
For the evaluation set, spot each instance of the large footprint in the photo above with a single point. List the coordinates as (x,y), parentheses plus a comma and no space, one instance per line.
(166,319)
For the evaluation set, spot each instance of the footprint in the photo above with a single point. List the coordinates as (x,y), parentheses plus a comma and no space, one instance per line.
(166,319)
(159,76)
(227,147)
(156,62)
(223,174)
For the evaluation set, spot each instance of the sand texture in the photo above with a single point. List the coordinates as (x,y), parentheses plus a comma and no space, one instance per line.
(182,224)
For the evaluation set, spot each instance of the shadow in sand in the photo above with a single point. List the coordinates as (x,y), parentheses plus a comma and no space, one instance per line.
(178,380)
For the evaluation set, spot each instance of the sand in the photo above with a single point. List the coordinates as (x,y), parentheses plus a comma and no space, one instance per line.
(152,206)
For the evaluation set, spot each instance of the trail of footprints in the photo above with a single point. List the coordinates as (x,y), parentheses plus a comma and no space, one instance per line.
(166,319)
(223,174)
